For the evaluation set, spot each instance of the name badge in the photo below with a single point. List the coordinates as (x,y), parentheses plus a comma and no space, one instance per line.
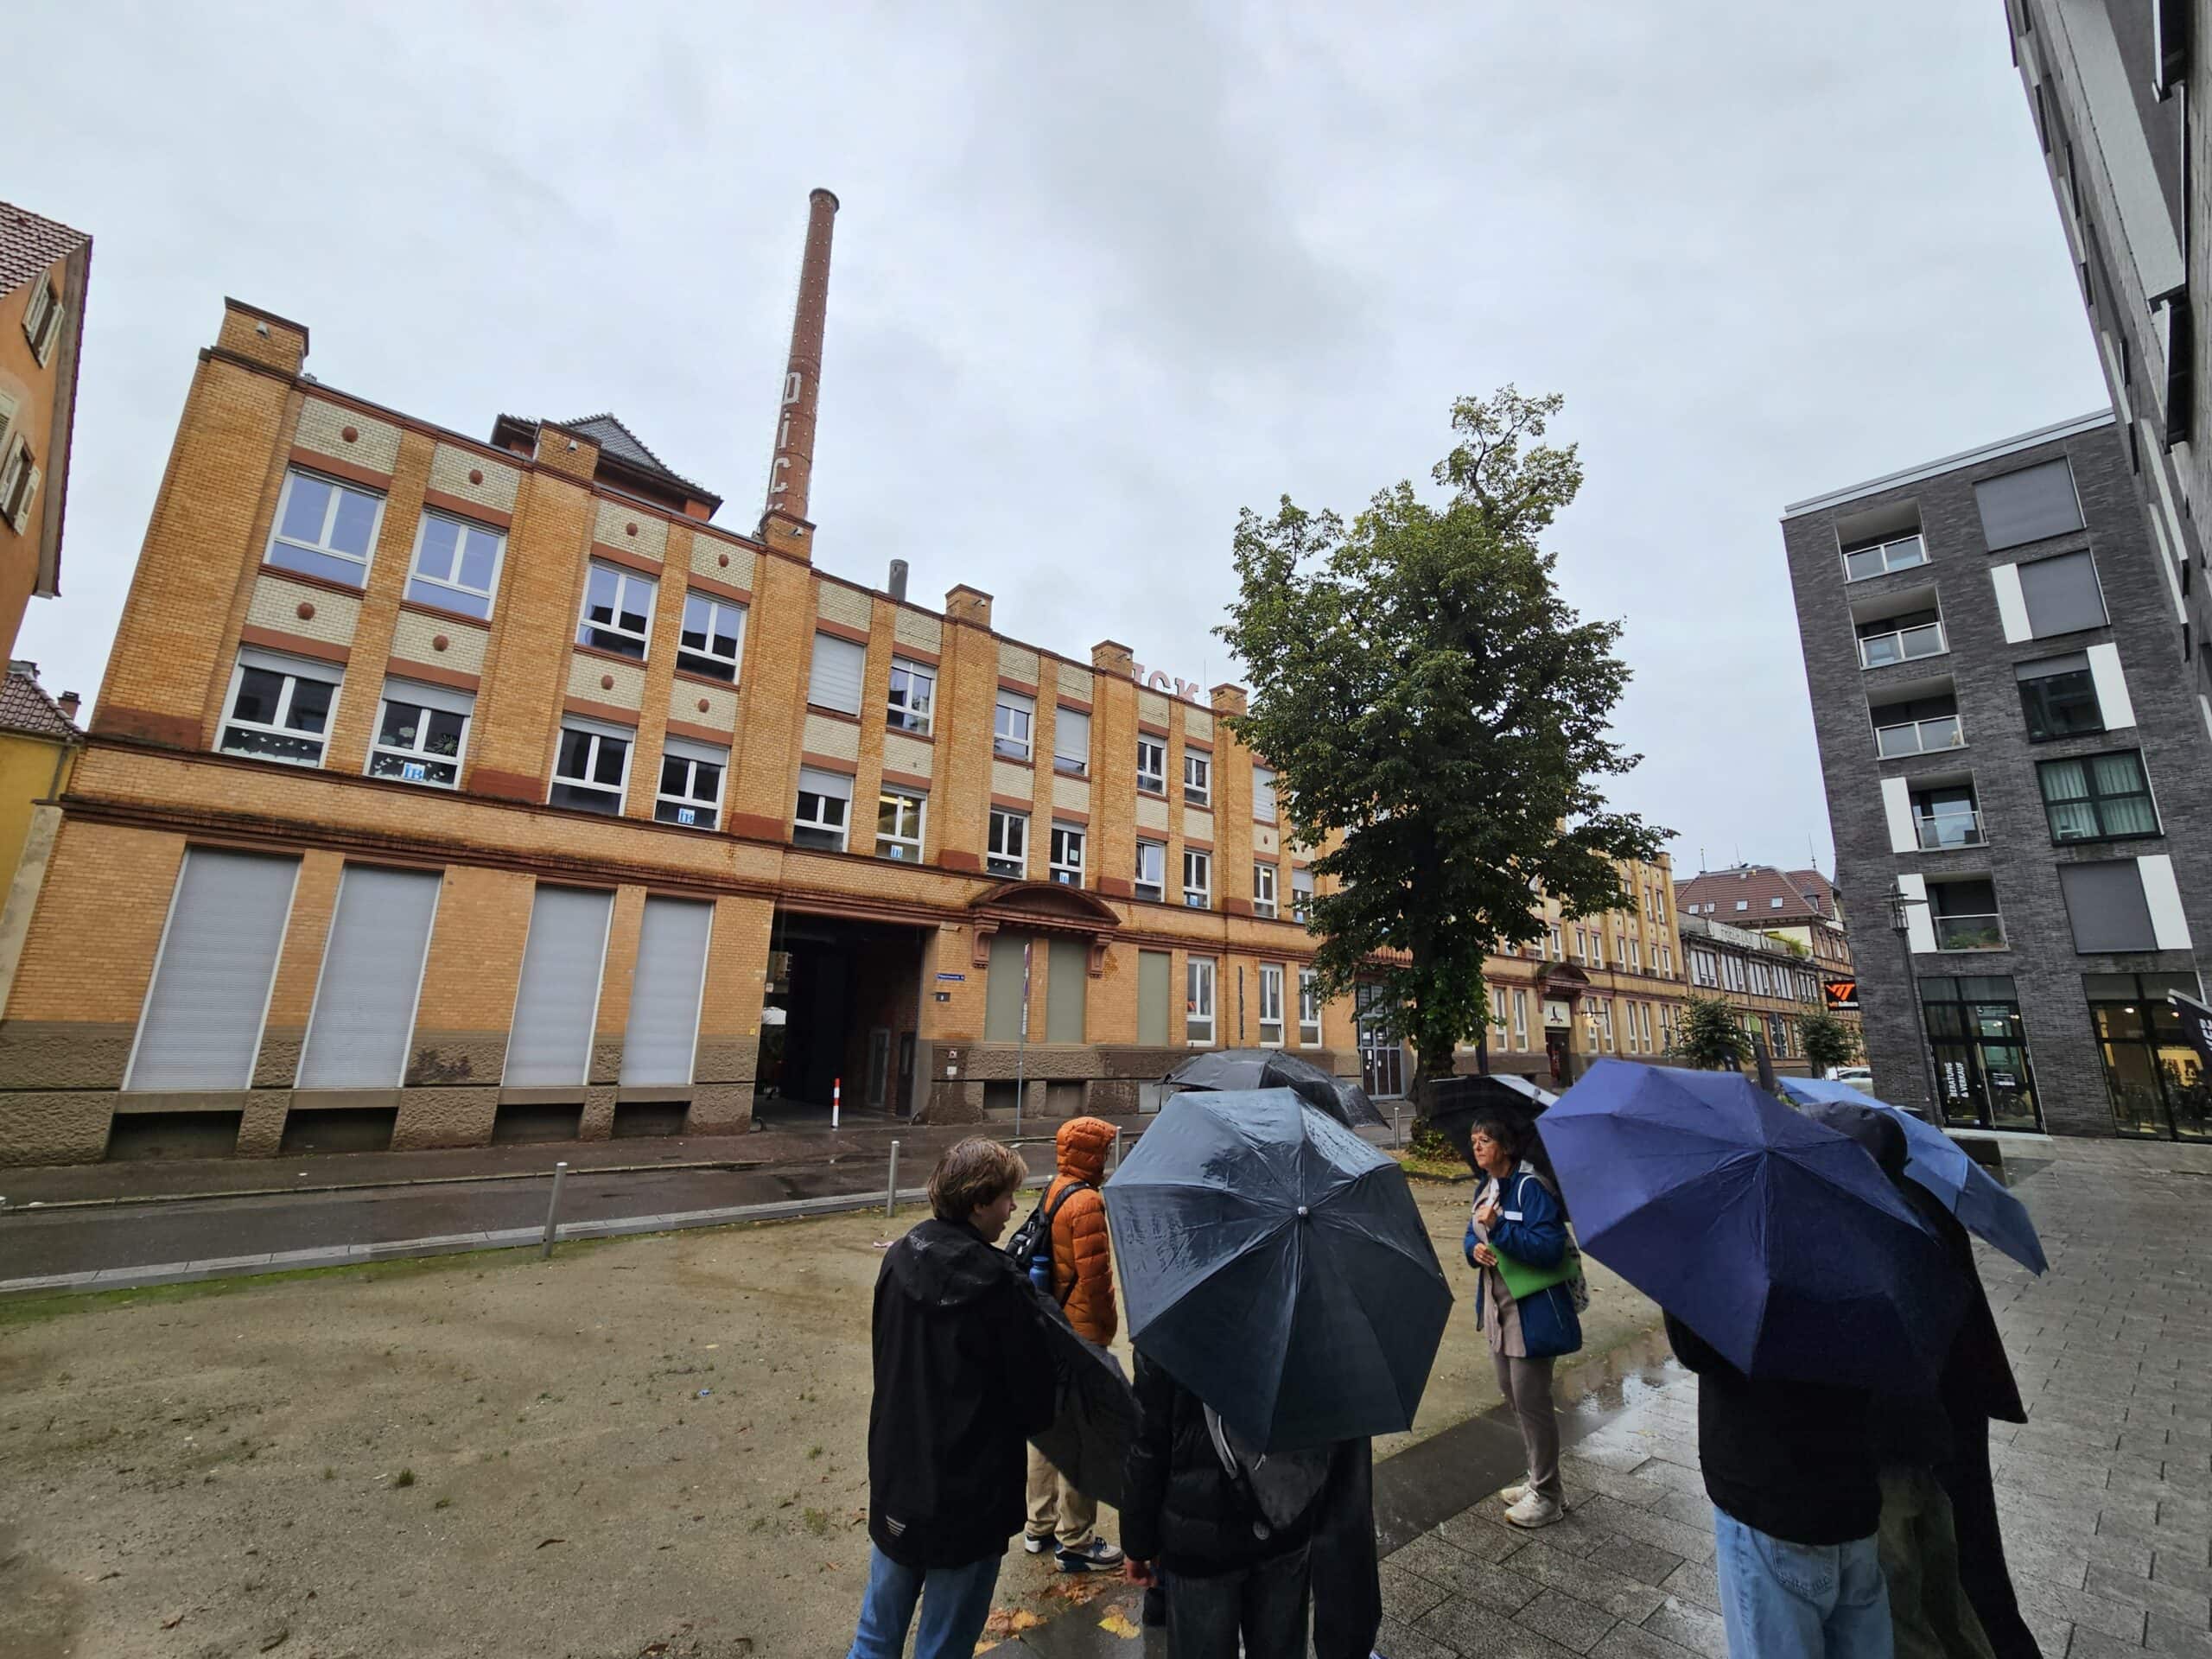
(1509,1215)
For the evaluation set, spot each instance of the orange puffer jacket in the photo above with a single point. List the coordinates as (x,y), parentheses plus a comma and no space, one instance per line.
(1082,1255)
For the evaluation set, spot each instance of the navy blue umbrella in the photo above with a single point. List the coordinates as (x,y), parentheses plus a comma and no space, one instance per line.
(1276,1266)
(1777,1240)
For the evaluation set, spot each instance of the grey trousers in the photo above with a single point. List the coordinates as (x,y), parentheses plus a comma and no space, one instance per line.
(1526,1386)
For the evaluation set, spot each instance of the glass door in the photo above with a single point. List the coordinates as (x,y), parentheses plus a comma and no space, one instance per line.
(1984,1079)
(1381,1057)
(2155,1080)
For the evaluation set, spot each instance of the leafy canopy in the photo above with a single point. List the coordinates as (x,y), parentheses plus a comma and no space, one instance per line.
(1711,1037)
(1829,1041)
(1424,693)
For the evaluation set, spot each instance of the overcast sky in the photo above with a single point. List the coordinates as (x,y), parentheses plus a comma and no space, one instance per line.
(1100,282)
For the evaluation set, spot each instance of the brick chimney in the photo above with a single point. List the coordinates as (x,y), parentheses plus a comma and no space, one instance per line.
(67,703)
(966,604)
(1112,657)
(783,523)
(1230,700)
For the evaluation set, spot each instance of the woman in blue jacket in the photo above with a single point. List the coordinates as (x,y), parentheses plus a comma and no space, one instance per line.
(1517,1212)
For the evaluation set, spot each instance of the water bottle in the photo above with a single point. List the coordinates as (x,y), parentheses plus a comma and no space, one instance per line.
(1041,1273)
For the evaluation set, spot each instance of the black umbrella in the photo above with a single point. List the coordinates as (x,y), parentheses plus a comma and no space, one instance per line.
(1275,1264)
(1239,1071)
(1455,1102)
(1095,1413)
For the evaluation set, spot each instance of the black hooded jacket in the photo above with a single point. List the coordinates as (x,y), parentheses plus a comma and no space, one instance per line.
(962,1378)
(1179,1507)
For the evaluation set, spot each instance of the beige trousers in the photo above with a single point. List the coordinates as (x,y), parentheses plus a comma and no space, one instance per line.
(1056,1509)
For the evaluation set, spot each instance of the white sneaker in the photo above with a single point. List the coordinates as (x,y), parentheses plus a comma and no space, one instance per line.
(1034,1545)
(1511,1494)
(1533,1510)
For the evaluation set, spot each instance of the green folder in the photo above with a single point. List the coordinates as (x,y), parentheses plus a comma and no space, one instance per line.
(1524,1279)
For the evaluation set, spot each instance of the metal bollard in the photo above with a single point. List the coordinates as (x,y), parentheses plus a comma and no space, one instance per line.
(1398,1127)
(553,1211)
(890,1193)
(1117,1146)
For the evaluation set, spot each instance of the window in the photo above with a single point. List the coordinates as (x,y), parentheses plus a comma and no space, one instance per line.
(2157,1085)
(712,642)
(1601,1021)
(1743,904)
(2107,905)
(1495,997)
(1964,915)
(1774,903)
(1007,852)
(1900,638)
(325,529)
(1597,947)
(2062,595)
(1152,870)
(422,731)
(2028,505)
(19,476)
(1155,978)
(1918,726)
(898,826)
(1011,725)
(2098,798)
(280,707)
(1520,1019)
(1270,1005)
(364,1012)
(1067,855)
(201,1024)
(592,766)
(1198,773)
(1197,1001)
(1705,969)
(663,1033)
(456,565)
(1636,956)
(1152,764)
(1559,947)
(1879,558)
(825,800)
(618,610)
(1263,795)
(1263,890)
(690,783)
(557,1000)
(1071,742)
(42,318)
(833,679)
(2058,696)
(1309,1007)
(912,697)
(1301,894)
(1197,880)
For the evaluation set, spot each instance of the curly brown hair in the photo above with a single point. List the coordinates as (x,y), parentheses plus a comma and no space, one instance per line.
(976,1172)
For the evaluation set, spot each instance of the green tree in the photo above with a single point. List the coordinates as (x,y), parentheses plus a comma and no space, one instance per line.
(1710,1037)
(1437,717)
(1829,1041)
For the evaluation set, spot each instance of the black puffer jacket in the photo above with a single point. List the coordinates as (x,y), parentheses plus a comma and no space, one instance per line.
(1181,1507)
(962,1378)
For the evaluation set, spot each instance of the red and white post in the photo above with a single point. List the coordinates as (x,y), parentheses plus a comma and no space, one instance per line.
(837,1099)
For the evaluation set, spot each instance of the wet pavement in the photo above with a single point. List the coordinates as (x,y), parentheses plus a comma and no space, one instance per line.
(2106,1493)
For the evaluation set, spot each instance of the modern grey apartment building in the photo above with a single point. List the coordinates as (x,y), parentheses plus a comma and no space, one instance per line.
(2019,782)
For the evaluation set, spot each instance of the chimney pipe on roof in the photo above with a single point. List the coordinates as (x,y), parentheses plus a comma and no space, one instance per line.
(898,578)
(67,703)
(791,469)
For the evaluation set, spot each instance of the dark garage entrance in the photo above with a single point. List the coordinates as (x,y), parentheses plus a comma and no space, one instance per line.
(841,1002)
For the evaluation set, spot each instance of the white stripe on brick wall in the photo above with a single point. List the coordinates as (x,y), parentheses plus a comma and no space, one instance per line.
(1919,926)
(1897,807)
(2111,686)
(2169,927)
(2011,603)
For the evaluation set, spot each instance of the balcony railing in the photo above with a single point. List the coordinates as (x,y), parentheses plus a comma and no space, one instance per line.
(1970,932)
(1901,645)
(1919,737)
(1940,831)
(1900,555)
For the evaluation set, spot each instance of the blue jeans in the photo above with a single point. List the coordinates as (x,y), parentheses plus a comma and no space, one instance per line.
(1801,1601)
(955,1600)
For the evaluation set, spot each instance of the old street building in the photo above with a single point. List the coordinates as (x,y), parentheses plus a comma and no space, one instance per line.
(44,267)
(1769,987)
(447,789)
(1799,911)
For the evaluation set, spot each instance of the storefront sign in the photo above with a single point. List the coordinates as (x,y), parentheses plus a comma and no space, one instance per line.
(1842,994)
(2196,1024)
(962,977)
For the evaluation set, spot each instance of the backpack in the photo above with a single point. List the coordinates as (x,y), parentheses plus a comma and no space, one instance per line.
(1277,1488)
(1031,1247)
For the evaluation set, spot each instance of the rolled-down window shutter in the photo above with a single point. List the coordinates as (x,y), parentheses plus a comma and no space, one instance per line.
(663,1028)
(557,1001)
(834,784)
(838,667)
(1071,736)
(365,1006)
(1066,984)
(203,1016)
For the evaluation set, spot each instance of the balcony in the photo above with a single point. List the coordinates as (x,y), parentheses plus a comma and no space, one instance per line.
(1928,736)
(1941,831)
(1970,932)
(1902,644)
(1860,563)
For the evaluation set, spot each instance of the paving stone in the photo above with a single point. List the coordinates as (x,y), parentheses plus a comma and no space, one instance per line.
(1694,1581)
(2175,1600)
(1401,1641)
(2176,1635)
(1574,1625)
(1478,1631)
(1406,1595)
(1466,1576)
(1634,1642)
(1479,1532)
(1691,1626)
(2183,1568)
(1594,1580)
(1687,1542)
(2113,1618)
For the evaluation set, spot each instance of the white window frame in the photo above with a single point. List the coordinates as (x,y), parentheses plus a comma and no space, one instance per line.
(1159,884)
(1271,996)
(1202,887)
(43,314)
(842,827)
(1263,891)
(1263,786)
(1494,995)
(1520,1018)
(899,849)
(689,660)
(432,697)
(19,477)
(601,733)
(694,755)
(901,717)
(1154,781)
(1061,867)
(1007,829)
(1067,764)
(294,670)
(322,549)
(1197,779)
(1302,898)
(1013,726)
(624,577)
(453,584)
(1309,1000)
(1201,988)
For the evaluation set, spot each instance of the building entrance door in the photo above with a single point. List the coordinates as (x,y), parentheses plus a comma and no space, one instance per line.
(1984,1077)
(1381,1057)
(2155,1079)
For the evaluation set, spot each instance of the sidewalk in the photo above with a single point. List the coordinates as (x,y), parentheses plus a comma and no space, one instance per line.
(2106,1493)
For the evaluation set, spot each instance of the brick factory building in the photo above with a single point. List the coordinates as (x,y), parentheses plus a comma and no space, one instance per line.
(444,791)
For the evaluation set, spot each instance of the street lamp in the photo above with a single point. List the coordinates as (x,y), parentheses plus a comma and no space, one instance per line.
(1900,903)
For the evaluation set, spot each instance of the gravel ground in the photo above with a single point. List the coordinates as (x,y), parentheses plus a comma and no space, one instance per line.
(652,1446)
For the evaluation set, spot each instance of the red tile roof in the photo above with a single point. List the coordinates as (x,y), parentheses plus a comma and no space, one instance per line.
(25,707)
(28,245)
(1804,894)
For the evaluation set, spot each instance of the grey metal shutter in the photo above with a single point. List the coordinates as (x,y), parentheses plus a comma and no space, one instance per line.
(1263,795)
(2028,505)
(1067,980)
(557,1001)
(2105,902)
(2062,595)
(663,1028)
(202,1019)
(1155,974)
(1002,991)
(372,972)
(835,682)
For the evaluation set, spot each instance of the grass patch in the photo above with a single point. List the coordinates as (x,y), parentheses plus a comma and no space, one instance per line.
(405,1478)
(1424,1168)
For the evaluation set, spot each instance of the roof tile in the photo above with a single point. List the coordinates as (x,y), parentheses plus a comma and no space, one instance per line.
(29,244)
